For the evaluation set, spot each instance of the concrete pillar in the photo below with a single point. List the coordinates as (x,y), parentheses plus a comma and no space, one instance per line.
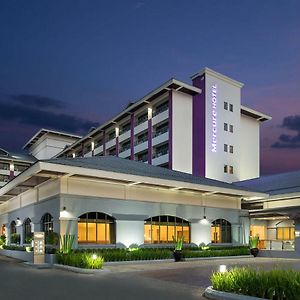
(69,226)
(129,232)
(235,233)
(201,232)
(297,236)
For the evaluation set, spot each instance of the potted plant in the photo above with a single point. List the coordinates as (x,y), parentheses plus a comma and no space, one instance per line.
(253,245)
(177,253)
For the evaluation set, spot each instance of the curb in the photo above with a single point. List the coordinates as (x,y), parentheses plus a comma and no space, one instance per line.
(210,293)
(79,270)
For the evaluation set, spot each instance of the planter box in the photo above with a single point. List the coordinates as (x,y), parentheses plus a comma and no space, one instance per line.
(210,293)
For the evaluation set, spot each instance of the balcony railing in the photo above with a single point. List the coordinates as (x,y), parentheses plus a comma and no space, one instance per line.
(160,110)
(161,131)
(161,153)
(125,148)
(140,141)
(283,245)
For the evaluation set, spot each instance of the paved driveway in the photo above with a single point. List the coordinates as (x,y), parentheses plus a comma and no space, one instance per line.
(165,280)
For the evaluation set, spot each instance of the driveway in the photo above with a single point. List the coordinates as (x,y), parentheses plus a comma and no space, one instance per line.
(154,280)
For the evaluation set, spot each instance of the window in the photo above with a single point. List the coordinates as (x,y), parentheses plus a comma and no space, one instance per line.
(125,128)
(231,107)
(143,156)
(231,149)
(27,234)
(285,233)
(161,229)
(231,169)
(161,129)
(161,150)
(125,146)
(96,228)
(4,178)
(225,126)
(4,166)
(13,227)
(142,118)
(20,168)
(225,148)
(221,231)
(225,105)
(225,169)
(161,108)
(231,128)
(142,138)
(47,223)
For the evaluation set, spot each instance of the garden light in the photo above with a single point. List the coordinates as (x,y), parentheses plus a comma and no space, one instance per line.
(94,256)
(222,269)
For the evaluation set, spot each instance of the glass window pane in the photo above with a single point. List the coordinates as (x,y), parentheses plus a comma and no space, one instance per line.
(101,233)
(155,233)
(147,234)
(81,232)
(186,234)
(163,233)
(171,233)
(91,235)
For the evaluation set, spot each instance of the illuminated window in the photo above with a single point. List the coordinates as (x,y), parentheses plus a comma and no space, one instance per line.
(161,229)
(96,228)
(221,231)
(47,223)
(285,233)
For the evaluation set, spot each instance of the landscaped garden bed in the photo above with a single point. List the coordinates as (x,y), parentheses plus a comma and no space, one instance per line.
(83,258)
(274,284)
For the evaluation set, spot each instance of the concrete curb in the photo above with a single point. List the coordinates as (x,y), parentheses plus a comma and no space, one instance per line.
(79,270)
(210,293)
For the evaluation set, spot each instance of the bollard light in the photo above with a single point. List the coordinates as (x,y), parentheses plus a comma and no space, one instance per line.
(222,269)
(94,256)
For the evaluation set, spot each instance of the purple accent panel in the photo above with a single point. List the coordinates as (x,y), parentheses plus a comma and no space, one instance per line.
(170,146)
(11,175)
(199,128)
(132,136)
(150,141)
(93,152)
(117,146)
(104,143)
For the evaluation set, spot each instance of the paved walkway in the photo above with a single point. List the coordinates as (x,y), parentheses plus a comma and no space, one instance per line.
(153,280)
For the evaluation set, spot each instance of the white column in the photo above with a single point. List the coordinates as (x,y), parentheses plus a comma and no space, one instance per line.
(129,232)
(201,232)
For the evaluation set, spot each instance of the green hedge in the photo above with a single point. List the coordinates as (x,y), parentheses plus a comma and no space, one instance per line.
(275,284)
(215,253)
(12,247)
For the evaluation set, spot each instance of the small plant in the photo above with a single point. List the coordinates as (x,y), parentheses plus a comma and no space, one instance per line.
(2,241)
(253,241)
(51,238)
(178,243)
(66,243)
(29,238)
(15,238)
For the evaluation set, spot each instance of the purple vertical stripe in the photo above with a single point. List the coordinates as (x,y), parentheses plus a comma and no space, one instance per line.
(132,136)
(199,128)
(93,152)
(104,143)
(170,142)
(117,146)
(82,149)
(150,141)
(11,175)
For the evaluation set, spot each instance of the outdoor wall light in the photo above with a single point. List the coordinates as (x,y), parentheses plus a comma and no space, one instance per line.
(223,269)
(204,221)
(18,222)
(64,208)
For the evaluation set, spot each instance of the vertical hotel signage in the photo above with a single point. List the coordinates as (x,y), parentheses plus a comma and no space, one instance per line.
(214,102)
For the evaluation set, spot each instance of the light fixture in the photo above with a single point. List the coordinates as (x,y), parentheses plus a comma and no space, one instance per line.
(204,221)
(64,208)
(94,256)
(223,269)
(18,222)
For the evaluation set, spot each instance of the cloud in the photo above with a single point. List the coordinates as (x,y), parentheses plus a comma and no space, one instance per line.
(288,140)
(35,115)
(37,101)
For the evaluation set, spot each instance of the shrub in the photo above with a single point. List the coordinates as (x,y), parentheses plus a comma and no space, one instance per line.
(80,260)
(66,243)
(14,247)
(29,238)
(2,240)
(216,253)
(52,238)
(275,284)
(15,238)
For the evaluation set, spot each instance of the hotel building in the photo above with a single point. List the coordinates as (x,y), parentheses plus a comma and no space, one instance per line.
(164,166)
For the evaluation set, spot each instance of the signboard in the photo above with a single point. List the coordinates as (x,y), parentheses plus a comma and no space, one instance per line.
(39,248)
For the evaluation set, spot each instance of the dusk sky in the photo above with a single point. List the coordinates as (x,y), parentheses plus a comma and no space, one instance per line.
(70,65)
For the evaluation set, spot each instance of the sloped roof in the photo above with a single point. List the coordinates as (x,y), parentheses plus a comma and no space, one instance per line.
(126,166)
(283,183)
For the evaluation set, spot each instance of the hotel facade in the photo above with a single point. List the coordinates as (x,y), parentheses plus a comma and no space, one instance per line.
(163,167)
